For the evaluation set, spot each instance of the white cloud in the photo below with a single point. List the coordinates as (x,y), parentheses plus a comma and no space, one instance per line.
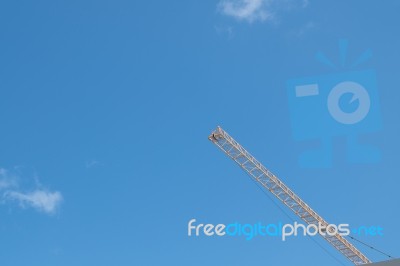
(41,200)
(92,163)
(249,10)
(6,179)
(34,196)
(257,10)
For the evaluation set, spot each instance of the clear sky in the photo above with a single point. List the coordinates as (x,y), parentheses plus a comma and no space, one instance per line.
(105,109)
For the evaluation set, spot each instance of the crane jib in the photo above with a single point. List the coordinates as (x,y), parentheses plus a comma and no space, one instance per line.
(274,185)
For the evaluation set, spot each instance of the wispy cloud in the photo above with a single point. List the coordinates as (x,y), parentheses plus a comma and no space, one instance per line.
(304,29)
(41,200)
(248,10)
(36,197)
(225,30)
(6,179)
(92,163)
(257,10)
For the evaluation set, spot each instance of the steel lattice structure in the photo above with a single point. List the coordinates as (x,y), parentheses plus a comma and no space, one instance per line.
(273,184)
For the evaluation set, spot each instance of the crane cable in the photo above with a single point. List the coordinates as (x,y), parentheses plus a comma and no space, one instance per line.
(293,220)
(371,247)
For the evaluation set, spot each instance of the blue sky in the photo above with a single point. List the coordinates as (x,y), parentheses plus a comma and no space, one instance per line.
(106,107)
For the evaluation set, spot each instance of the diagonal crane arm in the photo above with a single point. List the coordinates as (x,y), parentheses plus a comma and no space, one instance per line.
(273,184)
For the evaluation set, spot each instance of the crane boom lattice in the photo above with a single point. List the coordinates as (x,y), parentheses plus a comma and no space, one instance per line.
(273,184)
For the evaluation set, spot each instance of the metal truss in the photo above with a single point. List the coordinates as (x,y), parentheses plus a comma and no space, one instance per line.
(273,184)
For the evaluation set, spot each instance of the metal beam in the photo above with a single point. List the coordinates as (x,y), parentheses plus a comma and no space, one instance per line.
(273,184)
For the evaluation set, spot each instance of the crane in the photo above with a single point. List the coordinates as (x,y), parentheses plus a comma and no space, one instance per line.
(283,193)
